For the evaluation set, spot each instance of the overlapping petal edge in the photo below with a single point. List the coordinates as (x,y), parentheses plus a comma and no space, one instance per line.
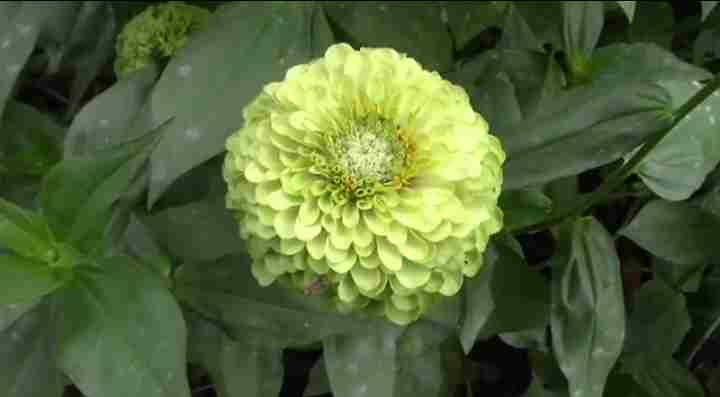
(395,244)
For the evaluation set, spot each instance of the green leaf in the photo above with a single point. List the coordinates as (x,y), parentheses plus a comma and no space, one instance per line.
(423,375)
(29,140)
(122,333)
(516,33)
(227,60)
(467,19)
(582,25)
(675,231)
(628,8)
(580,129)
(18,35)
(24,232)
(704,307)
(11,313)
(706,8)
(238,368)
(478,301)
(363,363)
(588,315)
(415,29)
(78,194)
(545,20)
(24,279)
(536,389)
(142,244)
(662,376)
(677,167)
(26,351)
(659,320)
(105,120)
(623,63)
(684,277)
(532,339)
(494,98)
(653,23)
(507,296)
(200,231)
(524,207)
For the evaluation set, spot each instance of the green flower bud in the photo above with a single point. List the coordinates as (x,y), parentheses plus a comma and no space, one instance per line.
(157,33)
(366,178)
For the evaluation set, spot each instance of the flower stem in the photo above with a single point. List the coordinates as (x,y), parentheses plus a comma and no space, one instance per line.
(618,177)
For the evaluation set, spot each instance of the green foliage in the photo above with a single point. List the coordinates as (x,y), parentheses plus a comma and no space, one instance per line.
(120,262)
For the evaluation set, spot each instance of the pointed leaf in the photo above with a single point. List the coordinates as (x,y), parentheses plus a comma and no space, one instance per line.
(662,376)
(24,279)
(124,312)
(362,364)
(706,8)
(588,315)
(659,320)
(26,351)
(24,232)
(582,25)
(423,375)
(628,8)
(524,207)
(676,231)
(467,19)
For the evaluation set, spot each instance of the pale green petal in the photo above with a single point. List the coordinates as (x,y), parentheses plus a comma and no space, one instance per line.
(291,246)
(415,248)
(389,254)
(350,215)
(316,246)
(309,212)
(285,223)
(347,292)
(413,276)
(398,316)
(375,224)
(345,265)
(366,279)
(318,266)
(397,234)
(370,262)
(405,303)
(451,283)
(261,274)
(342,237)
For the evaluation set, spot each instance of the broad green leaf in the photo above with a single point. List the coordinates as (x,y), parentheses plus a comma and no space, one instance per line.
(362,364)
(79,193)
(536,389)
(494,98)
(532,339)
(659,320)
(423,375)
(200,231)
(524,207)
(226,291)
(318,382)
(520,296)
(653,23)
(677,167)
(704,307)
(30,141)
(628,8)
(26,351)
(104,121)
(467,19)
(706,8)
(675,231)
(588,312)
(582,24)
(10,313)
(219,71)
(416,29)
(24,279)
(237,368)
(18,35)
(662,376)
(516,33)
(24,232)
(623,63)
(478,301)
(545,20)
(685,277)
(122,333)
(580,129)
(142,244)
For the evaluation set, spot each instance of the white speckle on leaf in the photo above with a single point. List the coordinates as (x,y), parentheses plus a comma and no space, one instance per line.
(12,307)
(104,123)
(383,8)
(5,44)
(15,336)
(24,29)
(697,83)
(159,172)
(696,164)
(444,16)
(599,351)
(13,69)
(361,390)
(707,108)
(184,70)
(712,120)
(353,368)
(280,20)
(282,61)
(192,134)
(667,60)
(307,324)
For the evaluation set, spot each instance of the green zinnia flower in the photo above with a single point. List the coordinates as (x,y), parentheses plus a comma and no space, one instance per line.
(157,33)
(363,176)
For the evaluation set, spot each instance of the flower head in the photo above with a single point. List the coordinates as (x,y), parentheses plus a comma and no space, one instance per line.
(366,178)
(157,33)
